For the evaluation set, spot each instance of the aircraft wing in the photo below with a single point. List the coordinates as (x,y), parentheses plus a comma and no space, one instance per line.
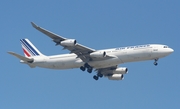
(80,50)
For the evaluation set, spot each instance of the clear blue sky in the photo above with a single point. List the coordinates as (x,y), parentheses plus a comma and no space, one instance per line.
(98,24)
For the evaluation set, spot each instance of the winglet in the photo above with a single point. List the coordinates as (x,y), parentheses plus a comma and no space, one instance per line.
(48,33)
(34,25)
(21,57)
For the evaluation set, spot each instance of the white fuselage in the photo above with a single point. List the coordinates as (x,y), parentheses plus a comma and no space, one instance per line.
(118,56)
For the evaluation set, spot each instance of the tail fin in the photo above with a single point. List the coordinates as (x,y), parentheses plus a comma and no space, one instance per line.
(29,49)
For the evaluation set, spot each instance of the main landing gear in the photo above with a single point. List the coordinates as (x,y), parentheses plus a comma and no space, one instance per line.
(155,62)
(88,67)
(96,77)
(82,68)
(89,70)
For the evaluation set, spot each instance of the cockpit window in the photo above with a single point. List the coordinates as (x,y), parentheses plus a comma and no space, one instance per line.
(165,46)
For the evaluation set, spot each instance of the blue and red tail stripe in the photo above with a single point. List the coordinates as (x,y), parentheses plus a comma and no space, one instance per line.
(26,53)
(25,48)
(29,48)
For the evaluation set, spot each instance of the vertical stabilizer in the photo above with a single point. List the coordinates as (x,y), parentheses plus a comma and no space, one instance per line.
(29,49)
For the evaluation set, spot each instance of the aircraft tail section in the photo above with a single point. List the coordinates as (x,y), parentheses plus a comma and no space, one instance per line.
(29,49)
(25,59)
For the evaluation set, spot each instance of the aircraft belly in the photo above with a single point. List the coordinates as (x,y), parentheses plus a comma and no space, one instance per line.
(105,63)
(68,63)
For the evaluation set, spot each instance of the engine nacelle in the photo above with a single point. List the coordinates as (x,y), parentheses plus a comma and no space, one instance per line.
(98,54)
(69,42)
(116,77)
(120,70)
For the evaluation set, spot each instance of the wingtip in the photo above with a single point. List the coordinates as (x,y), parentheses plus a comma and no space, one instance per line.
(34,25)
(10,52)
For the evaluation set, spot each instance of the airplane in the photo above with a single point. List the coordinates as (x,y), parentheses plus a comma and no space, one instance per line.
(104,62)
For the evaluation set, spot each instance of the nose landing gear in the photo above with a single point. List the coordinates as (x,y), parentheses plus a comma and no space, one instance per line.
(155,62)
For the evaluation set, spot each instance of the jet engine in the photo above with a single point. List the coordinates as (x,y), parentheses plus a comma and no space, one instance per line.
(98,54)
(120,70)
(68,42)
(116,77)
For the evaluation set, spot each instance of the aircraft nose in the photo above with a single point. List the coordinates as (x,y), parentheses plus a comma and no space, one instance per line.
(170,50)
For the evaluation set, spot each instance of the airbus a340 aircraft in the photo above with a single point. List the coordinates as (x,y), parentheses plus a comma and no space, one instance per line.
(104,62)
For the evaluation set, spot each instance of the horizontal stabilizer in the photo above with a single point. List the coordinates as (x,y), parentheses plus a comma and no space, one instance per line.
(21,57)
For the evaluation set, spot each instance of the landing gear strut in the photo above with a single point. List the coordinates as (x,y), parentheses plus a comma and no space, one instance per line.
(155,62)
(100,75)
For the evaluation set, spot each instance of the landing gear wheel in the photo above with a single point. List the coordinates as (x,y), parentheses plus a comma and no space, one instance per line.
(155,63)
(89,70)
(100,75)
(82,68)
(95,77)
